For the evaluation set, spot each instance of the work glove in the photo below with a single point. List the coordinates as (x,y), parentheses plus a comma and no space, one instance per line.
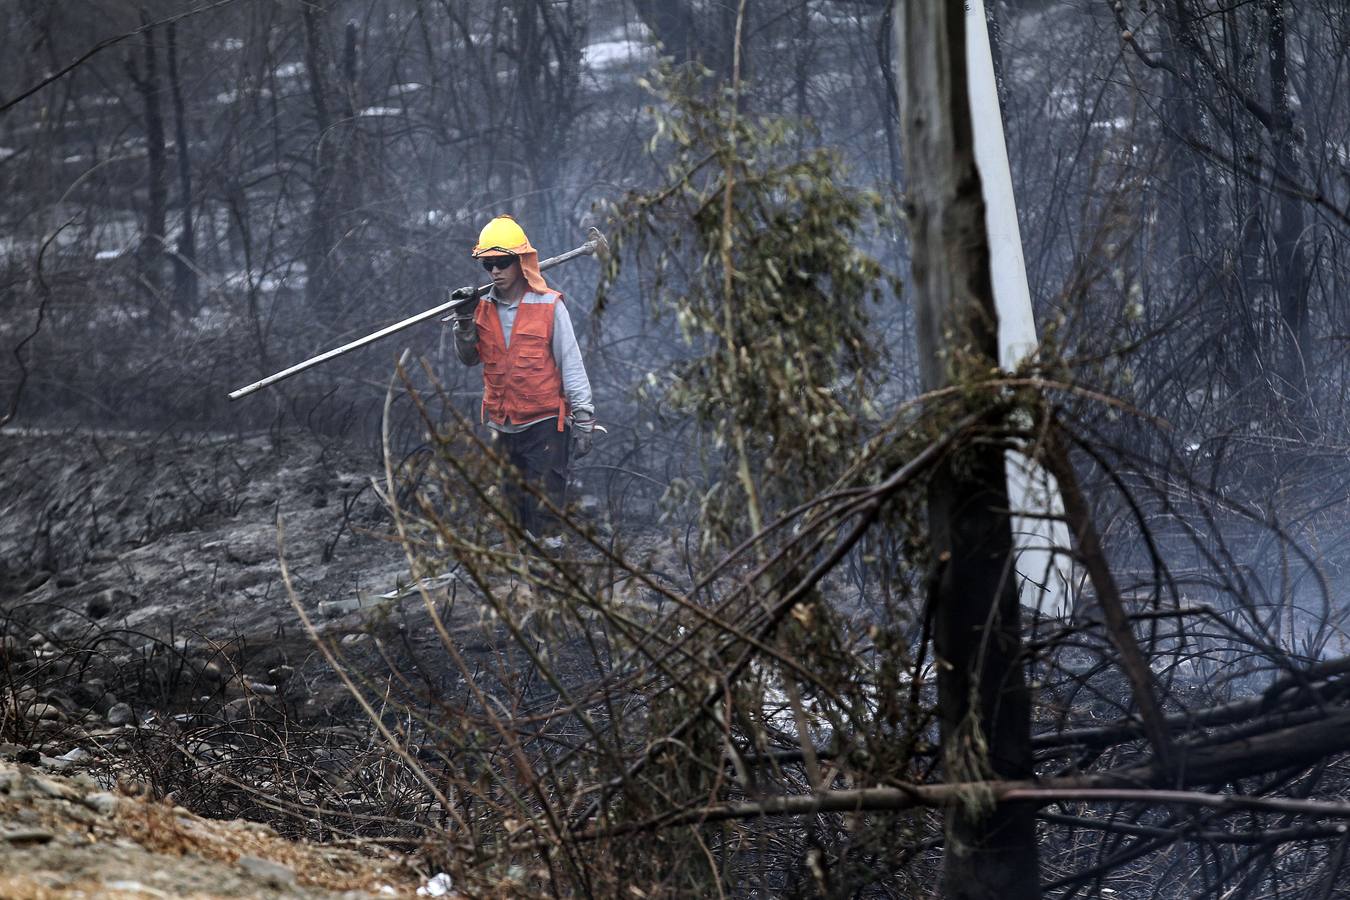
(463,314)
(583,432)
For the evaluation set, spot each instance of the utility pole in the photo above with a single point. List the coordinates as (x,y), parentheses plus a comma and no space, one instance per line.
(1044,575)
(984,705)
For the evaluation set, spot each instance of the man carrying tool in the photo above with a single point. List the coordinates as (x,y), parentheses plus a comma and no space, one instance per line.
(536,396)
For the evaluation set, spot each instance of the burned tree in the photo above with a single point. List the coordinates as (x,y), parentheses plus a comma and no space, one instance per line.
(150,254)
(185,255)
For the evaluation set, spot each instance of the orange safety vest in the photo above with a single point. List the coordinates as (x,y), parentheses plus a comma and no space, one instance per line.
(521,383)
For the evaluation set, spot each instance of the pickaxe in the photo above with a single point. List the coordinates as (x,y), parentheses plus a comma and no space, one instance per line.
(595,245)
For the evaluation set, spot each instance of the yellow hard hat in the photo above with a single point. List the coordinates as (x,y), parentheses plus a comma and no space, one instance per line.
(503,235)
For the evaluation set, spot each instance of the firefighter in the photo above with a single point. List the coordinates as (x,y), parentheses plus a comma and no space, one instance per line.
(536,396)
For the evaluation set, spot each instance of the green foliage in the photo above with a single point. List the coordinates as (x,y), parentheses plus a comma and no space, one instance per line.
(757,261)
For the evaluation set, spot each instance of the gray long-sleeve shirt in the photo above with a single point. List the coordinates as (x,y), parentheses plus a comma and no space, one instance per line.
(566,353)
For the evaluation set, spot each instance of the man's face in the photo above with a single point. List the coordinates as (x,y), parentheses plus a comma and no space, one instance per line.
(505,271)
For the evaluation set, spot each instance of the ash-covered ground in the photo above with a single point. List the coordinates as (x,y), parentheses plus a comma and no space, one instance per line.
(143,572)
(156,534)
(150,650)
(151,647)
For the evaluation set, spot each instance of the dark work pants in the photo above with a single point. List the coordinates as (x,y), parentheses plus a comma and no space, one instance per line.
(538,456)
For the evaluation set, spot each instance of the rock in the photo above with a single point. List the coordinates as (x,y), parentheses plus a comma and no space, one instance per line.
(331,608)
(57,789)
(439,885)
(55,763)
(28,756)
(109,601)
(44,712)
(120,714)
(84,782)
(102,802)
(60,698)
(66,581)
(270,872)
(38,580)
(76,756)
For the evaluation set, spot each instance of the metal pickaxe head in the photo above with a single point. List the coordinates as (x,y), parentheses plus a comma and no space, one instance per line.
(599,247)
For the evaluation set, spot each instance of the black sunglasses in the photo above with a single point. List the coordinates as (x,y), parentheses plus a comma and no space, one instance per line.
(497,262)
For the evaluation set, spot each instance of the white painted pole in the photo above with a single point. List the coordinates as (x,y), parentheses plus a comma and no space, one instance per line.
(1045,577)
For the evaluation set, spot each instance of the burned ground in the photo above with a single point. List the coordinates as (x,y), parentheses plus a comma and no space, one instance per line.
(148,638)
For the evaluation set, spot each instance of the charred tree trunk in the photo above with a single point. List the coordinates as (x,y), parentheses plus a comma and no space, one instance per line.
(347,178)
(548,41)
(672,23)
(891,102)
(323,225)
(349,262)
(185,259)
(690,34)
(1291,263)
(985,706)
(151,250)
(1247,294)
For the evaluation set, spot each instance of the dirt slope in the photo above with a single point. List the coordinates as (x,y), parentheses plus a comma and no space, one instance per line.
(64,837)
